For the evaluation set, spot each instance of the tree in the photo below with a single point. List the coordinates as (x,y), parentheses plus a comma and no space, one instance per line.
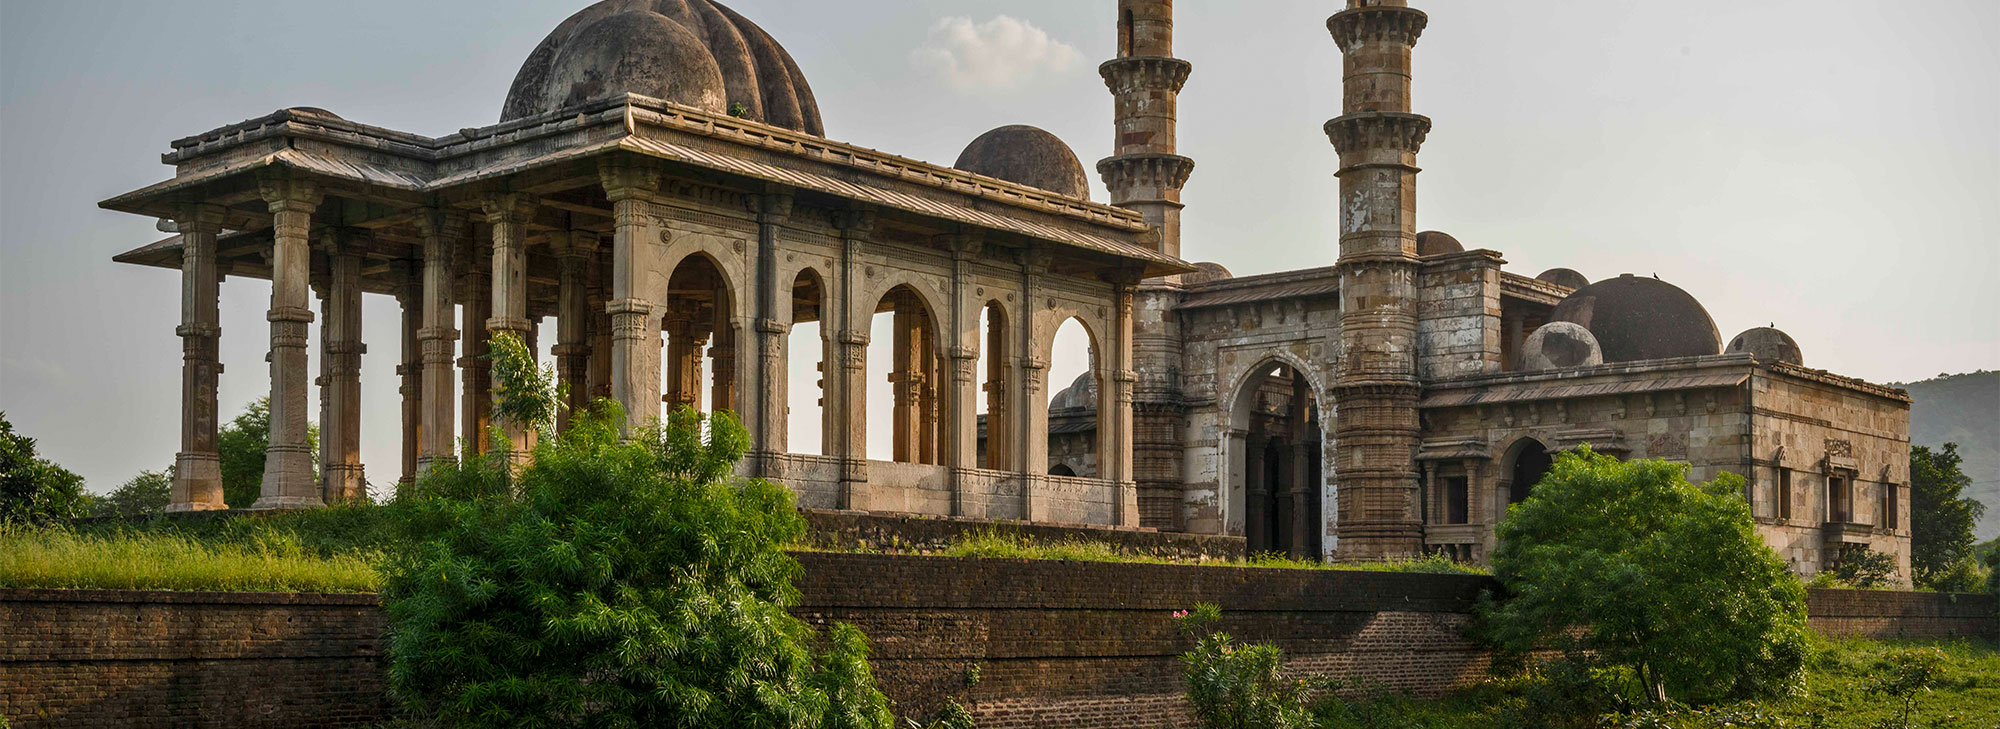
(241,444)
(147,493)
(610,582)
(34,490)
(1629,562)
(1941,518)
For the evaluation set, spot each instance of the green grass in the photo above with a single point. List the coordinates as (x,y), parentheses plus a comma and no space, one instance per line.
(994,545)
(332,550)
(1836,695)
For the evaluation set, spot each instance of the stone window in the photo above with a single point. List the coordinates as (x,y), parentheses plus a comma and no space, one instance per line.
(1840,498)
(1457,500)
(1888,519)
(1784,493)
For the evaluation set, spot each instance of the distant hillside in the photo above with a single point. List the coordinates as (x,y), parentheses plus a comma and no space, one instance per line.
(1964,409)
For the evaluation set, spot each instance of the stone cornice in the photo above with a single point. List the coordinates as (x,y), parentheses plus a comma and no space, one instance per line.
(1378,130)
(1145,170)
(1391,24)
(1144,73)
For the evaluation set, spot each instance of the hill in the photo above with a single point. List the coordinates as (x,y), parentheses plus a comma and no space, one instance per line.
(1964,409)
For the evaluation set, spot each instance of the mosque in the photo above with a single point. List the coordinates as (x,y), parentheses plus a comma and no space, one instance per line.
(660,187)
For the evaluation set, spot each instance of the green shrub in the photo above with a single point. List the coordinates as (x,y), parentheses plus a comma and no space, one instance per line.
(34,490)
(1864,568)
(1630,563)
(611,583)
(1903,677)
(1235,686)
(146,494)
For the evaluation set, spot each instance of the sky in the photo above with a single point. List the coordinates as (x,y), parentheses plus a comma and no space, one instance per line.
(1828,166)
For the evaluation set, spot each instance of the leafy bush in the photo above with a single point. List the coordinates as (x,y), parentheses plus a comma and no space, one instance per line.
(1630,563)
(1235,686)
(147,493)
(34,490)
(611,583)
(1864,568)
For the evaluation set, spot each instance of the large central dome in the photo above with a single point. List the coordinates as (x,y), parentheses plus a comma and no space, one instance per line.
(693,52)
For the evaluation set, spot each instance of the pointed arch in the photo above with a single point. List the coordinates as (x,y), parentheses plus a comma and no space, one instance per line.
(1278,492)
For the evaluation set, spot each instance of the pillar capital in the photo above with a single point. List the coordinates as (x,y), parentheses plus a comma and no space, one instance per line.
(285,192)
(771,207)
(199,218)
(626,177)
(854,222)
(580,245)
(509,208)
(1378,24)
(1133,74)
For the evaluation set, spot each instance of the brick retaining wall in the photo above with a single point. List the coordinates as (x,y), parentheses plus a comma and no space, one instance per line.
(1056,644)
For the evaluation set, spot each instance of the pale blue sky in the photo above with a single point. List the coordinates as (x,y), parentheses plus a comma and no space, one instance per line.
(1832,166)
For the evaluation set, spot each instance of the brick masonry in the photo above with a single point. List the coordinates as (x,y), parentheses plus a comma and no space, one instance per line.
(1055,644)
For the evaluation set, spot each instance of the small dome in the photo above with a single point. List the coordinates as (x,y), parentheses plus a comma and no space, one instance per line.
(1565,278)
(1028,156)
(1207,271)
(692,52)
(1081,393)
(314,110)
(1637,318)
(1767,345)
(1432,243)
(1560,345)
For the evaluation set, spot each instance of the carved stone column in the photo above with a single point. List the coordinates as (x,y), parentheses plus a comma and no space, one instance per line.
(1000,429)
(635,338)
(343,479)
(1123,379)
(686,336)
(1302,480)
(288,471)
(961,402)
(1032,409)
(905,381)
(198,465)
(575,251)
(476,371)
(723,356)
(410,371)
(846,396)
(1257,488)
(444,235)
(509,214)
(600,328)
(770,397)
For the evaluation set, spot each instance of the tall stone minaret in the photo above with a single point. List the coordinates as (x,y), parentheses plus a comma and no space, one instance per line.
(1144,174)
(1376,388)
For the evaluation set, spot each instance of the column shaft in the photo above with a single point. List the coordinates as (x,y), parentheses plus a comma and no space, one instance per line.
(509,215)
(198,466)
(475,371)
(576,250)
(444,234)
(343,479)
(635,338)
(410,371)
(288,470)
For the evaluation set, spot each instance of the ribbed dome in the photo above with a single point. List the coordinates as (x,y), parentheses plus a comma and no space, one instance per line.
(1637,318)
(1205,272)
(1565,278)
(693,52)
(1081,393)
(1432,243)
(1767,345)
(1029,156)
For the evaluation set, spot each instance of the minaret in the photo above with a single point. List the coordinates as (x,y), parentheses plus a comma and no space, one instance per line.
(1376,388)
(1144,174)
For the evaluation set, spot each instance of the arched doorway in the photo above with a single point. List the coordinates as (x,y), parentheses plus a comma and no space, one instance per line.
(698,369)
(807,429)
(1275,443)
(1531,462)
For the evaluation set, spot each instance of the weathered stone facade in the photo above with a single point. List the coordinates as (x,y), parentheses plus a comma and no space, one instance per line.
(1388,404)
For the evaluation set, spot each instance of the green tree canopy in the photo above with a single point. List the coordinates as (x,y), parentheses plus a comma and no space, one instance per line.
(611,582)
(1629,562)
(147,493)
(33,489)
(1941,519)
(242,443)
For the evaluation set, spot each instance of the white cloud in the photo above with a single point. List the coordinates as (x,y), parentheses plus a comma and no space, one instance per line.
(1000,53)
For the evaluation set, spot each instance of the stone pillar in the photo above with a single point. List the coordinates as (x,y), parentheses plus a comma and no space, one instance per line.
(999,373)
(906,384)
(410,371)
(509,214)
(575,251)
(687,335)
(476,372)
(600,329)
(198,465)
(722,356)
(288,471)
(960,403)
(770,397)
(927,387)
(444,235)
(1122,380)
(1303,481)
(635,338)
(1257,489)
(1032,410)
(342,477)
(1377,385)
(847,390)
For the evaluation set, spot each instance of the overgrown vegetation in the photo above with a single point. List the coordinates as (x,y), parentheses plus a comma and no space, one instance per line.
(261,560)
(997,545)
(242,443)
(145,494)
(1629,564)
(1859,568)
(1941,522)
(34,490)
(610,582)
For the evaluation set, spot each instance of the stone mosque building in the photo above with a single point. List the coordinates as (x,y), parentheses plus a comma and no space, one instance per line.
(658,208)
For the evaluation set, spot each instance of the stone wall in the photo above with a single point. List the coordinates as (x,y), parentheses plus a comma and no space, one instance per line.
(1066,644)
(99,658)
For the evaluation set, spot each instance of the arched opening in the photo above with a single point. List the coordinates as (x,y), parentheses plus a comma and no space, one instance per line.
(1531,462)
(1275,448)
(1074,401)
(993,373)
(698,366)
(1061,469)
(904,335)
(806,344)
